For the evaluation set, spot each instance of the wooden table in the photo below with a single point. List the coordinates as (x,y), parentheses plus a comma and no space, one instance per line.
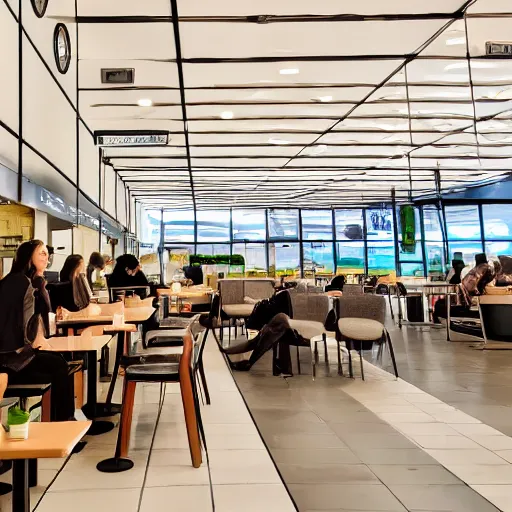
(45,440)
(89,346)
(131,316)
(184,294)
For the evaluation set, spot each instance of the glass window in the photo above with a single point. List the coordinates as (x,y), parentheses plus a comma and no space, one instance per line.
(432,224)
(379,224)
(381,258)
(435,258)
(318,257)
(350,257)
(316,224)
(349,224)
(179,226)
(249,225)
(404,252)
(497,221)
(150,226)
(495,249)
(467,250)
(462,222)
(412,269)
(283,224)
(212,249)
(212,225)
(255,256)
(284,259)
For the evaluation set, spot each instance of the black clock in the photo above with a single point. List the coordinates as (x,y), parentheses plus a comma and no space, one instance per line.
(61,47)
(39,7)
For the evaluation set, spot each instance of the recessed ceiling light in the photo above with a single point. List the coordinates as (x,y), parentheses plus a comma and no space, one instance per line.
(289,71)
(227,114)
(278,141)
(145,102)
(325,99)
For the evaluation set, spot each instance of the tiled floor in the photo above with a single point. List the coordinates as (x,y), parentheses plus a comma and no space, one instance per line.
(383,444)
(238,471)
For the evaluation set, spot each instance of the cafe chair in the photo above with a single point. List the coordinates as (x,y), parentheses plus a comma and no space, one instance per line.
(496,318)
(181,372)
(361,325)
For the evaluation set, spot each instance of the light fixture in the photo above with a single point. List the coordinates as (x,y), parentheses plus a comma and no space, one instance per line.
(325,99)
(145,102)
(227,114)
(289,71)
(278,141)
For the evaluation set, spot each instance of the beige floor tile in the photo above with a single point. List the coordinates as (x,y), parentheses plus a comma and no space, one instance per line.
(484,474)
(193,498)
(414,456)
(304,441)
(445,442)
(505,454)
(314,456)
(453,498)
(410,474)
(454,417)
(186,474)
(460,457)
(347,474)
(242,467)
(406,417)
(96,499)
(475,429)
(494,443)
(172,457)
(499,495)
(255,498)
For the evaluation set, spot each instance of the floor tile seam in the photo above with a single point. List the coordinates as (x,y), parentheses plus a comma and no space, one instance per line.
(443,464)
(283,483)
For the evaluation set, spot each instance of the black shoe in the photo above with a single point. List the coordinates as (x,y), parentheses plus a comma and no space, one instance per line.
(5,465)
(241,366)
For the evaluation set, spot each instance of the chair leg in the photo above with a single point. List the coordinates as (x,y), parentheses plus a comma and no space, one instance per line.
(203,381)
(340,366)
(316,351)
(298,359)
(324,338)
(361,362)
(189,408)
(392,353)
(125,423)
(391,307)
(350,368)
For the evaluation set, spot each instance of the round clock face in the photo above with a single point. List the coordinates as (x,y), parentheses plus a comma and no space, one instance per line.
(62,47)
(39,7)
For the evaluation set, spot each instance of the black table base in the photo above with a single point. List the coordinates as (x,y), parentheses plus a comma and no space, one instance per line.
(20,488)
(114,465)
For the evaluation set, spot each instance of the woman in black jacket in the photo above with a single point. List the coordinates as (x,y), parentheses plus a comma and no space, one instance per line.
(24,327)
(73,292)
(128,273)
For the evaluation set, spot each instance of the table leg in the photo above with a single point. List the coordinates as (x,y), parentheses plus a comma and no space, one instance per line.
(90,409)
(20,489)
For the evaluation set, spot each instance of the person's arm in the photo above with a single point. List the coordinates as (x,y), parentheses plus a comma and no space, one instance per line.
(32,321)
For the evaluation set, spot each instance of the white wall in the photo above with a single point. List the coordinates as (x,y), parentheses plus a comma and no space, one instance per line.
(41,226)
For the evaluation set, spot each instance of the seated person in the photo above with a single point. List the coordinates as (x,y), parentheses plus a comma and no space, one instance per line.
(127,273)
(96,262)
(24,308)
(454,275)
(336,284)
(504,276)
(73,292)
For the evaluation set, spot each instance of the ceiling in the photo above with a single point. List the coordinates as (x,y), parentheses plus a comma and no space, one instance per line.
(297,103)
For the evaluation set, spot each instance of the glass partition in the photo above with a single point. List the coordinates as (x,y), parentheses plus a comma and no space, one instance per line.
(497,220)
(179,226)
(249,225)
(350,257)
(283,224)
(463,222)
(255,256)
(379,224)
(349,224)
(316,224)
(318,257)
(213,226)
(284,259)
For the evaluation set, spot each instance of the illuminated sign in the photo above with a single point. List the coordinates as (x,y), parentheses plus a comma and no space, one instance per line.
(131,138)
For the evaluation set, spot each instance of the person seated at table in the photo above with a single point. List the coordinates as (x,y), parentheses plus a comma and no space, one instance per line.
(454,275)
(24,326)
(96,262)
(73,292)
(127,273)
(336,284)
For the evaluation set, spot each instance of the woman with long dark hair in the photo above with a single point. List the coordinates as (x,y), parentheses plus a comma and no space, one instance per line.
(73,292)
(24,327)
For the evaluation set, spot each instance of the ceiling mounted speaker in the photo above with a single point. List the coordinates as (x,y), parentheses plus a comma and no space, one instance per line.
(117,76)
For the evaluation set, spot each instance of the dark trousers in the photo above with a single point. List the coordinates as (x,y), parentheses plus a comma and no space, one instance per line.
(49,367)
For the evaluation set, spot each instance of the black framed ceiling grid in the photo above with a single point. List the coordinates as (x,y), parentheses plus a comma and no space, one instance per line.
(299,105)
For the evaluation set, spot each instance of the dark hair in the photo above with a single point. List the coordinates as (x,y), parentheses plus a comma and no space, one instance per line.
(23,260)
(70,265)
(126,261)
(97,260)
